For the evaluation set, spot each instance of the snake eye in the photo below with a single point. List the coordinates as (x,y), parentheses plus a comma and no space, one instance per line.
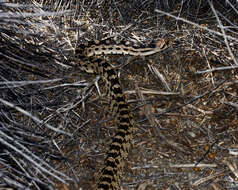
(96,42)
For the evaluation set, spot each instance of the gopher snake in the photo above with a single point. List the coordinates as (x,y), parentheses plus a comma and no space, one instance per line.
(86,56)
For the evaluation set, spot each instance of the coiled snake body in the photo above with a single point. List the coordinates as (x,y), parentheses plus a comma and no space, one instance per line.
(88,60)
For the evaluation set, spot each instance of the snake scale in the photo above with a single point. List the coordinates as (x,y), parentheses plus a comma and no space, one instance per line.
(89,60)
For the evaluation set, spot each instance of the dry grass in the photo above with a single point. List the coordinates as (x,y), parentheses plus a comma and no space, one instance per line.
(185,99)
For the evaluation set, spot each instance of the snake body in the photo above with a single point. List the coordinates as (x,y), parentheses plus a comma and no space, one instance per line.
(89,61)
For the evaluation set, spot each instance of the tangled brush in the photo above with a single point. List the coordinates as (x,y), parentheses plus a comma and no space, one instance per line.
(38,100)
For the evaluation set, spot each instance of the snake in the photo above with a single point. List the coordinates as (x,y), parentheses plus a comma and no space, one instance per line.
(90,60)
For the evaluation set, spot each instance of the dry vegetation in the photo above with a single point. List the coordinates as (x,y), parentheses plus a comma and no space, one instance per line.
(55,126)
